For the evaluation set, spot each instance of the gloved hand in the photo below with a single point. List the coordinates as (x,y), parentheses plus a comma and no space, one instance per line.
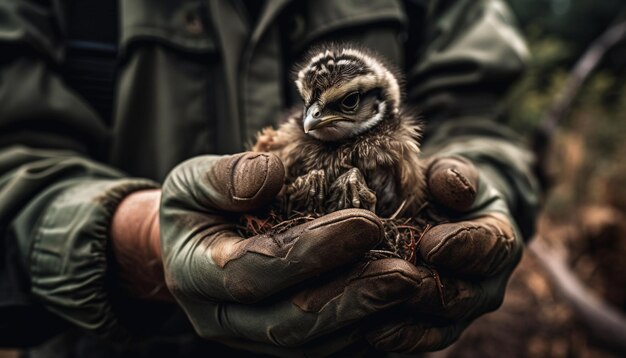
(251,293)
(474,255)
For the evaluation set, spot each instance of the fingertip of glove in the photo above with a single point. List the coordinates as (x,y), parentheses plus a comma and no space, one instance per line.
(436,238)
(255,178)
(391,281)
(360,224)
(453,183)
(481,246)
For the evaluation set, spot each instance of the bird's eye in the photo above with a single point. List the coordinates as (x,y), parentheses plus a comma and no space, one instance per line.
(351,101)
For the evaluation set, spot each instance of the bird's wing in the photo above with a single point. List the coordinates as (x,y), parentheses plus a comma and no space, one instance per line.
(411,168)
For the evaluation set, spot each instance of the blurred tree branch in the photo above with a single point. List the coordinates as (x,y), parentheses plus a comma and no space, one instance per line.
(562,106)
(606,324)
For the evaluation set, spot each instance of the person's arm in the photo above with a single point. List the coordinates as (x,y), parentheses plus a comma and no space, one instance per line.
(56,201)
(474,54)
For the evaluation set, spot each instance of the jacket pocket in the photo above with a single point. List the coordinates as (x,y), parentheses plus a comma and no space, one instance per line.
(323,17)
(182,25)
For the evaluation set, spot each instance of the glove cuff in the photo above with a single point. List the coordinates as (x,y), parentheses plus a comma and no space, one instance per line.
(68,257)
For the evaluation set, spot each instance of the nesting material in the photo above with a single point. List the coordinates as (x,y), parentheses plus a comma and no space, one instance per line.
(402,235)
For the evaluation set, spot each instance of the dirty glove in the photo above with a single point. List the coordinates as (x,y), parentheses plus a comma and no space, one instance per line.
(474,256)
(241,291)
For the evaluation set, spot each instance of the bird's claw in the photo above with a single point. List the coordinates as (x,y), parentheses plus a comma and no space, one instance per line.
(351,191)
(307,193)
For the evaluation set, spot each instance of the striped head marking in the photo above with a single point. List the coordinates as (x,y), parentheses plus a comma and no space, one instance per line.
(345,91)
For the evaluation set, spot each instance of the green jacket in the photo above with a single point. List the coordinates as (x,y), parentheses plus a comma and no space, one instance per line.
(197,77)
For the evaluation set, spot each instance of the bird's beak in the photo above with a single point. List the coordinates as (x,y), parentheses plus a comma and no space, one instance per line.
(314,120)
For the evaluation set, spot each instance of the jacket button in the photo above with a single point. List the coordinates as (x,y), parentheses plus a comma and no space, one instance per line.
(193,24)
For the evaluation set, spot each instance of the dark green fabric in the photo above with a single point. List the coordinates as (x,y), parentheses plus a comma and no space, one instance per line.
(61,231)
(195,77)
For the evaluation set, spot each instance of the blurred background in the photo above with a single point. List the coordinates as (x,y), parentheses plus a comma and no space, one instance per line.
(568,296)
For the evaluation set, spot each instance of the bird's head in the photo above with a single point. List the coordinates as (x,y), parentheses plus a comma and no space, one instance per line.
(346,91)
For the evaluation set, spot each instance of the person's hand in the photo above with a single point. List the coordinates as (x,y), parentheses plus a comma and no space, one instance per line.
(474,256)
(298,290)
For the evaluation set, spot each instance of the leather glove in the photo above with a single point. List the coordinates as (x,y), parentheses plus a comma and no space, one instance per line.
(243,291)
(474,256)
(251,293)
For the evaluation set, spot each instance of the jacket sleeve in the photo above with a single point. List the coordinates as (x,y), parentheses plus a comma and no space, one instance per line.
(56,201)
(472,55)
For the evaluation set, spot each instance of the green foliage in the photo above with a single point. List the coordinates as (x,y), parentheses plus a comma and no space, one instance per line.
(576,22)
(587,157)
(530,100)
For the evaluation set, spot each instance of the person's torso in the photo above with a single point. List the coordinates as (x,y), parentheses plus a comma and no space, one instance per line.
(178,79)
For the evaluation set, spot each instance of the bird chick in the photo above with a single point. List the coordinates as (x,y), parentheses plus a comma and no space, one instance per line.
(354,144)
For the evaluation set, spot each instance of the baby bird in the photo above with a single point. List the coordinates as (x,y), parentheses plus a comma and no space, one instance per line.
(353,144)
